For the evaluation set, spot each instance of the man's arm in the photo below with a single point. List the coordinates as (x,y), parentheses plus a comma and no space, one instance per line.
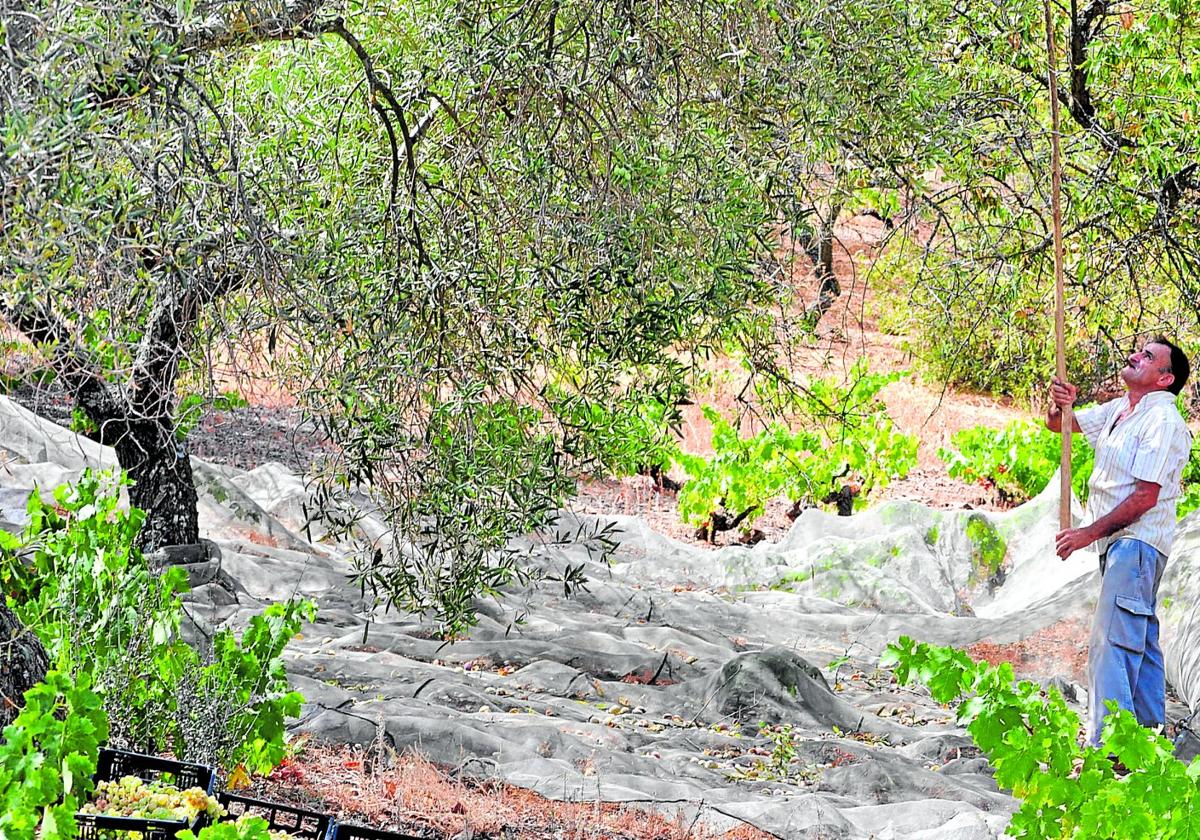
(1143,497)
(1061,394)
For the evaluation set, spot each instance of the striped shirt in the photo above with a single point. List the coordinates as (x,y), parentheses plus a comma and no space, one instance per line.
(1152,443)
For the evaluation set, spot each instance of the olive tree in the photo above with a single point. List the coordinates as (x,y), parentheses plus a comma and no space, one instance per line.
(974,250)
(491,244)
(493,239)
(127,217)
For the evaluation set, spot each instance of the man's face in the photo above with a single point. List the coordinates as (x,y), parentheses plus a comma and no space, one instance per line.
(1149,369)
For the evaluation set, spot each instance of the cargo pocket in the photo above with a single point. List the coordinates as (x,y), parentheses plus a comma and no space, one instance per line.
(1127,627)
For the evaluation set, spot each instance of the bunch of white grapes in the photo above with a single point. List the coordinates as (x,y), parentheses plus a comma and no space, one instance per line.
(132,797)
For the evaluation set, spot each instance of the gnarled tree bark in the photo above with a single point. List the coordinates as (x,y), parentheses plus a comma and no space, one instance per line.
(820,251)
(137,421)
(23,664)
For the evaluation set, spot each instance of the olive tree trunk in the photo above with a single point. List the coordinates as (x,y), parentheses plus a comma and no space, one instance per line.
(163,486)
(23,664)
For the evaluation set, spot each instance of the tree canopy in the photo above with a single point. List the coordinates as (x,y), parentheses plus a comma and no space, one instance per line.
(490,244)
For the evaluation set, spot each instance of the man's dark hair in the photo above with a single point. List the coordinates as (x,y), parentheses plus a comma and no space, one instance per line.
(1179,364)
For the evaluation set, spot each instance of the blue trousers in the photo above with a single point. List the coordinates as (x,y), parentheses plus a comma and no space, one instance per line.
(1125,662)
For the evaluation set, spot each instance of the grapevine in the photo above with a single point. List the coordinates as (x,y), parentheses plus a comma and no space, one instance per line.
(246,827)
(246,821)
(1031,738)
(849,445)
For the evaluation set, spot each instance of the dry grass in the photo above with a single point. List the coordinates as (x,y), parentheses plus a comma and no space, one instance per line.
(410,794)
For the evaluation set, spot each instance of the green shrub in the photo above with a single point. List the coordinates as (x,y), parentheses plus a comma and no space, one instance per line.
(244,828)
(236,706)
(742,473)
(191,409)
(1189,491)
(985,327)
(47,758)
(990,549)
(627,436)
(1017,460)
(1030,737)
(77,579)
(850,440)
(1021,458)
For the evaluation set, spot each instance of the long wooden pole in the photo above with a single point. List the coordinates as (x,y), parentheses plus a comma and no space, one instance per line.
(1068,416)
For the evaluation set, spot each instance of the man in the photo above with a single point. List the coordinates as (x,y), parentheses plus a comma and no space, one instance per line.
(1141,446)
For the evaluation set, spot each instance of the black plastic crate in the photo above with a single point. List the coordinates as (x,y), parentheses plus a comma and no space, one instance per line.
(361,832)
(295,821)
(95,827)
(115,764)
